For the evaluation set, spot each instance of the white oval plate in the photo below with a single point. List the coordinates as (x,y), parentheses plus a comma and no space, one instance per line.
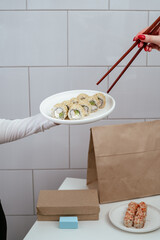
(48,103)
(116,215)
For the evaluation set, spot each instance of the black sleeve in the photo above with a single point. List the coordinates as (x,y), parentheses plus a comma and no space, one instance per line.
(3,224)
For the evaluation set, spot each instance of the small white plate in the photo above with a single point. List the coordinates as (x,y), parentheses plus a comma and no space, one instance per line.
(48,103)
(116,215)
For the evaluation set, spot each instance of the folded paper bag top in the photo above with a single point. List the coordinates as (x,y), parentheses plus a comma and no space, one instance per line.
(126,138)
(54,203)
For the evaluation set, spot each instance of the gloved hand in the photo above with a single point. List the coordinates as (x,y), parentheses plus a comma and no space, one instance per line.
(11,130)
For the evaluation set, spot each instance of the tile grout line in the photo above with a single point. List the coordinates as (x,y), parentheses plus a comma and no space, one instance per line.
(124,119)
(44,169)
(108,4)
(147,52)
(76,10)
(67,41)
(29,92)
(148,16)
(78,66)
(33,191)
(20,215)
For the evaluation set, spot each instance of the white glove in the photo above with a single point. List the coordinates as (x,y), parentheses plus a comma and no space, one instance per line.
(11,130)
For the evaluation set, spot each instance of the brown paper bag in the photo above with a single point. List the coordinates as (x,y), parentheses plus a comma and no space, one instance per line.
(124,161)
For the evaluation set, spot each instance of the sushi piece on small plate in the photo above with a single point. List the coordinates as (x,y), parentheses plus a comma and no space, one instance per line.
(130,214)
(140,216)
(152,218)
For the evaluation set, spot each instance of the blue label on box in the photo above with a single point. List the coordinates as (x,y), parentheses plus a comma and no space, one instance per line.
(68,222)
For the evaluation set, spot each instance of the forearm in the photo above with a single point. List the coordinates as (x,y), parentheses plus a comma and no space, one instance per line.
(11,130)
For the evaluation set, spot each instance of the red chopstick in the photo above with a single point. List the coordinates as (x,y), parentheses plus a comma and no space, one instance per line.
(120,75)
(131,48)
(132,59)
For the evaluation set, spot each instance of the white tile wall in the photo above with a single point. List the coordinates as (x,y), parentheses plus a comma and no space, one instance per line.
(101,37)
(137,93)
(18,226)
(67,4)
(16,192)
(14,93)
(51,80)
(86,78)
(12,5)
(40,151)
(135,5)
(33,38)
(154,56)
(48,47)
(79,144)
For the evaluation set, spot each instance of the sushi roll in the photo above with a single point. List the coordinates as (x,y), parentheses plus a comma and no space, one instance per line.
(128,220)
(76,112)
(67,104)
(130,214)
(86,106)
(82,96)
(59,111)
(143,207)
(73,101)
(140,216)
(94,102)
(102,100)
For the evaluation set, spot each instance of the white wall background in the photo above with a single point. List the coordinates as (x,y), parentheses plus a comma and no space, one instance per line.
(49,46)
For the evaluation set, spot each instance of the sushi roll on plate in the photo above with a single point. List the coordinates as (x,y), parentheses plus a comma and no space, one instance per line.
(142,219)
(130,213)
(102,100)
(82,96)
(67,104)
(76,112)
(86,106)
(94,102)
(140,216)
(73,101)
(135,215)
(59,111)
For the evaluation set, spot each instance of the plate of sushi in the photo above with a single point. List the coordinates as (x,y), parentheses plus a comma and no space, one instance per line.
(135,217)
(77,107)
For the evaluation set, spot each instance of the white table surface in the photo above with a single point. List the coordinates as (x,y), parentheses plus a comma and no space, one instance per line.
(90,230)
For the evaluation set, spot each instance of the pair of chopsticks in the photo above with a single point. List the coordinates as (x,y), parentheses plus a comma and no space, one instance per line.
(151,30)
